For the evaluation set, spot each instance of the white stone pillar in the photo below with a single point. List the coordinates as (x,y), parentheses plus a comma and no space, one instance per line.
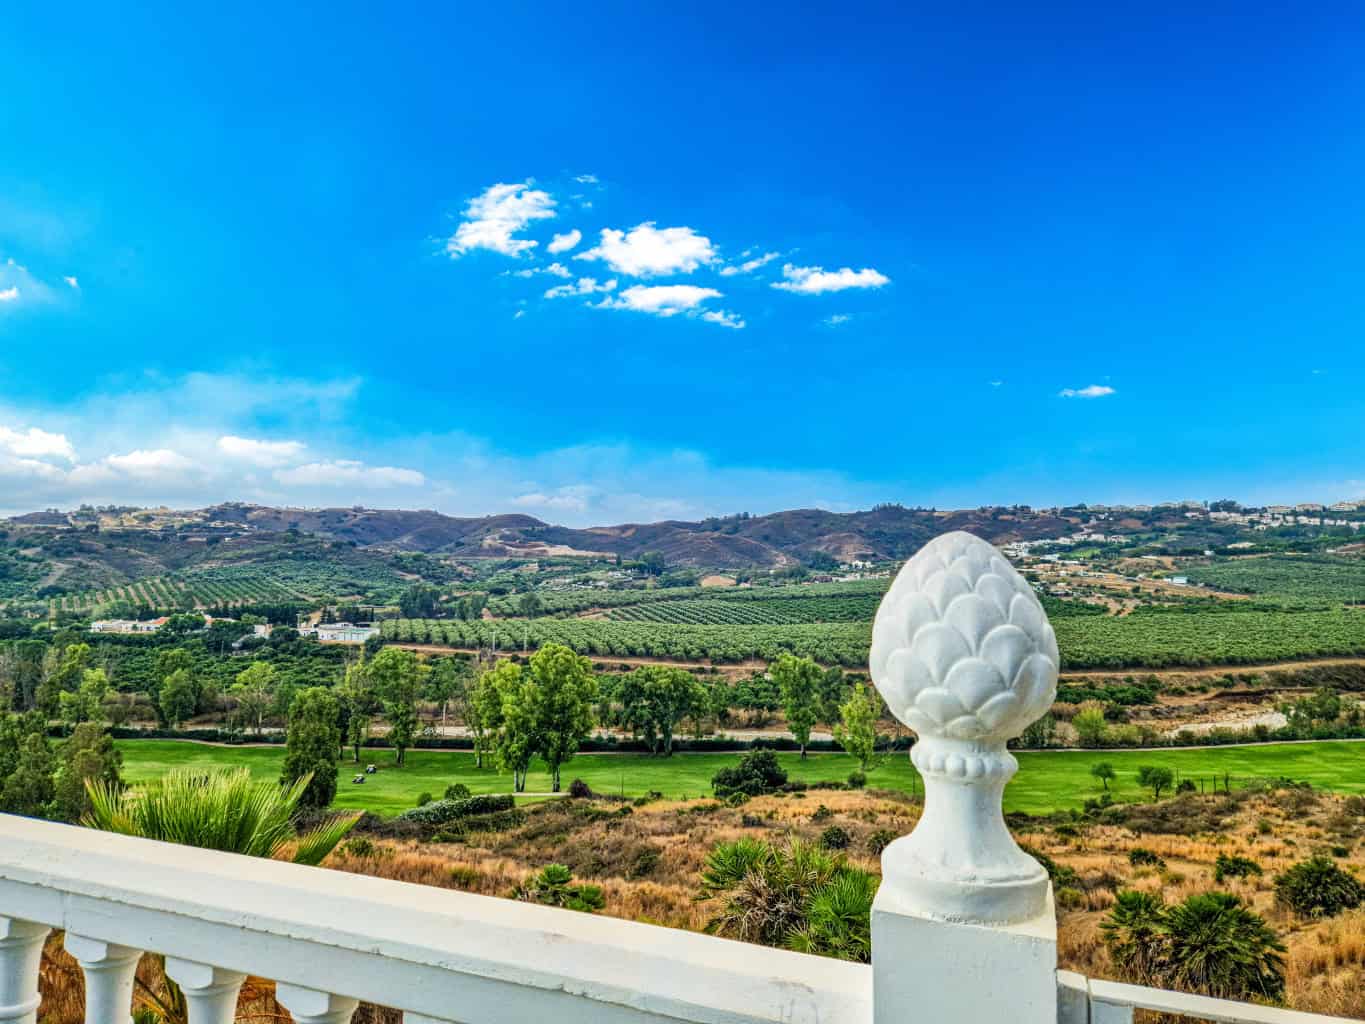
(210,992)
(21,952)
(963,927)
(109,971)
(310,1006)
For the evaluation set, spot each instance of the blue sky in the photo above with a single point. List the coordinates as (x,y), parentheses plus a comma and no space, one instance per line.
(1038,254)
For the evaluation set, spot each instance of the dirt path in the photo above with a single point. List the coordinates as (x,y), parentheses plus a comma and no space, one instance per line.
(743,668)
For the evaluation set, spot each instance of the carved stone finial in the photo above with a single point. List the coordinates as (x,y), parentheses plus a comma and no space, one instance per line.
(963,654)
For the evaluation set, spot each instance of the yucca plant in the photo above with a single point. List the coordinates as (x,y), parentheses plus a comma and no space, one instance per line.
(219,809)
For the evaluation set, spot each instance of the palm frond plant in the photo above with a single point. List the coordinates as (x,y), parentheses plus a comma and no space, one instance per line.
(799,896)
(218,809)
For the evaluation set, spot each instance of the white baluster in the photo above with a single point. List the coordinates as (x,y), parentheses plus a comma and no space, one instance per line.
(310,1006)
(210,992)
(21,951)
(109,970)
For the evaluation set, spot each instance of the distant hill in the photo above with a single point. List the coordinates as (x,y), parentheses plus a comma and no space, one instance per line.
(150,540)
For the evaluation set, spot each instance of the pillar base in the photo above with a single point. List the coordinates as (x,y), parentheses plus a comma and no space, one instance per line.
(928,969)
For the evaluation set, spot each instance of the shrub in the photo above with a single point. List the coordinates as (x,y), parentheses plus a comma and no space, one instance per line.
(1069,898)
(834,838)
(1060,874)
(1140,857)
(457,791)
(438,812)
(423,799)
(1185,786)
(751,821)
(464,875)
(880,840)
(360,846)
(756,773)
(1318,888)
(857,780)
(1234,867)
(579,790)
(1210,944)
(822,813)
(553,888)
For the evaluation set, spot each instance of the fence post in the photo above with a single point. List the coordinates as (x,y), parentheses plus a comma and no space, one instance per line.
(963,927)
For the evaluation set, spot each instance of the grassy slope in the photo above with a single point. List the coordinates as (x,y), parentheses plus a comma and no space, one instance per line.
(1046,781)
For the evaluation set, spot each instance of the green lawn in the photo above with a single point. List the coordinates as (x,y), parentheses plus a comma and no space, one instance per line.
(1046,781)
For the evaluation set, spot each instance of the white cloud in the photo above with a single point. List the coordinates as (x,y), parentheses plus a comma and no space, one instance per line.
(554,270)
(997,383)
(818,280)
(564,242)
(583,286)
(36,443)
(267,454)
(724,318)
(348,473)
(71,281)
(749,266)
(1093,391)
(661,300)
(586,179)
(570,498)
(9,294)
(837,320)
(518,314)
(647,251)
(493,217)
(153,462)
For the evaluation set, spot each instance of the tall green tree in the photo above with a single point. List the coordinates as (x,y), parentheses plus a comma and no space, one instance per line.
(1104,771)
(254,691)
(87,756)
(398,677)
(29,788)
(516,741)
(179,697)
(483,707)
(857,728)
(562,689)
(86,703)
(311,746)
(359,702)
(656,698)
(798,680)
(63,669)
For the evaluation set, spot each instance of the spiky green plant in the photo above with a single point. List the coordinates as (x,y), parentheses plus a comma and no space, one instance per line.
(219,809)
(799,896)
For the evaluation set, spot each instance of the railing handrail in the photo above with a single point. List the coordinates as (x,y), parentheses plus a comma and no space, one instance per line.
(382,941)
(1107,1002)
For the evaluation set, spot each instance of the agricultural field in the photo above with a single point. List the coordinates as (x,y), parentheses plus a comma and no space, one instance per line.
(774,611)
(276,582)
(1047,780)
(1153,639)
(1287,577)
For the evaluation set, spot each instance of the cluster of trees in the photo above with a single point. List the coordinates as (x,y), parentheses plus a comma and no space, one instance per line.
(41,780)
(542,709)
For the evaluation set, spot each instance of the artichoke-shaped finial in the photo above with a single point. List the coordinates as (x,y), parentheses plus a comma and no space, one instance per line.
(961,646)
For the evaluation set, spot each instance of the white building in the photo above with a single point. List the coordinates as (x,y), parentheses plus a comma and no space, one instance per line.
(340,632)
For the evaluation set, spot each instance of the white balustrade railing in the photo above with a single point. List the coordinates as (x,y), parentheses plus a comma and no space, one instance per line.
(1082,1000)
(963,927)
(330,939)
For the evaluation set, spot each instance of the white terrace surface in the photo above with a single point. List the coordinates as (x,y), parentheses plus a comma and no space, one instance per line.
(963,928)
